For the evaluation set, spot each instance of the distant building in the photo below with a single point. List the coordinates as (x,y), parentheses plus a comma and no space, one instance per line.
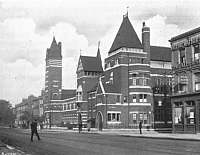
(53,75)
(6,113)
(186,81)
(24,112)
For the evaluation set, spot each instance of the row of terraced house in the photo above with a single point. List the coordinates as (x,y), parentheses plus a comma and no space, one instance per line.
(158,86)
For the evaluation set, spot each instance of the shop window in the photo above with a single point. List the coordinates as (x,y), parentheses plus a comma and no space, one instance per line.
(178,118)
(190,115)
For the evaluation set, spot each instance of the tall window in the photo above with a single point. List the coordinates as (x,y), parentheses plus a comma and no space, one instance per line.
(134,98)
(118,98)
(141,117)
(183,84)
(182,56)
(79,93)
(111,78)
(196,52)
(125,99)
(134,118)
(145,118)
(134,80)
(197,81)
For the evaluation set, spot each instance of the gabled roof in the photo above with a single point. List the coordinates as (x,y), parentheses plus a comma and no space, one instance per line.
(126,36)
(91,63)
(158,53)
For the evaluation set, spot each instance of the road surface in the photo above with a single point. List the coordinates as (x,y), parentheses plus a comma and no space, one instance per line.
(69,143)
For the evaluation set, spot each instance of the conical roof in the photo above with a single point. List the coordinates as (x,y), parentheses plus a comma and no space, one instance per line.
(126,36)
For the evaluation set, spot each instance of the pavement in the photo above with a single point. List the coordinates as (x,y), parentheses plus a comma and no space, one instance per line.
(131,133)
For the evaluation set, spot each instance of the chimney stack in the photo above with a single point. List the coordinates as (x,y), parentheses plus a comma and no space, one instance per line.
(146,40)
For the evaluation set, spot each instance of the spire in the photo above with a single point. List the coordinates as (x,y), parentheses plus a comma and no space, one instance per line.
(126,36)
(53,42)
(98,53)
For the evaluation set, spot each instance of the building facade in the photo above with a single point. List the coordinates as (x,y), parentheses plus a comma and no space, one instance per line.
(121,95)
(88,72)
(186,81)
(53,74)
(125,93)
(161,79)
(24,112)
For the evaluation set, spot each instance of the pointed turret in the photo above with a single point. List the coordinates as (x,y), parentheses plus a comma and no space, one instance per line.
(54,43)
(126,36)
(55,50)
(99,54)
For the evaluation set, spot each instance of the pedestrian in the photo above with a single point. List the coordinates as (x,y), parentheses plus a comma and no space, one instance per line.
(79,122)
(34,130)
(88,125)
(140,127)
(80,126)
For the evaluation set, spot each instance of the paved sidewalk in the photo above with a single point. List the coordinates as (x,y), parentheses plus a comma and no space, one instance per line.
(133,133)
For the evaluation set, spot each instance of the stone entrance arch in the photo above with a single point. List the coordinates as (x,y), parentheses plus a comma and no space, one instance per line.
(99,121)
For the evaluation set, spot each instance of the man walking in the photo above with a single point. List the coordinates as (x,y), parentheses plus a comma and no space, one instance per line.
(79,122)
(34,130)
(140,127)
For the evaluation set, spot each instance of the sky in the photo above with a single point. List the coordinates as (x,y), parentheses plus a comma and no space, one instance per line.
(27,28)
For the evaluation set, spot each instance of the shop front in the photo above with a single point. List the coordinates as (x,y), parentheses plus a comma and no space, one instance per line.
(186,112)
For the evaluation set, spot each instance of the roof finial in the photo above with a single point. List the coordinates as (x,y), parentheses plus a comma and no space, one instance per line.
(127,10)
(126,15)
(80,51)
